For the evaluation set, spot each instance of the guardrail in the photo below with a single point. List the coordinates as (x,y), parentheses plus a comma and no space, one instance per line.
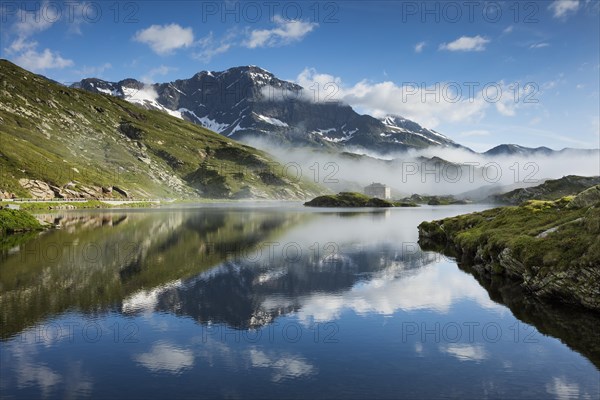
(58,200)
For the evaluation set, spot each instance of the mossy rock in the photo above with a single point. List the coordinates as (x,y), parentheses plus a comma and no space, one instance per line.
(131,131)
(348,199)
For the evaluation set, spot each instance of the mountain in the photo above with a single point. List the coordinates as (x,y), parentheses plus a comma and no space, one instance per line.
(552,189)
(514,149)
(250,102)
(484,193)
(62,142)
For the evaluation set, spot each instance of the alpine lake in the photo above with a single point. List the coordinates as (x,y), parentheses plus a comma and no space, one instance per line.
(273,300)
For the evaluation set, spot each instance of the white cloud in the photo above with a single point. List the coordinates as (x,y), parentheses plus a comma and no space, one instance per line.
(210,47)
(419,47)
(163,39)
(508,29)
(466,43)
(559,80)
(396,289)
(539,45)
(28,23)
(562,389)
(23,50)
(506,109)
(21,44)
(512,97)
(465,352)
(30,371)
(430,106)
(285,32)
(563,8)
(165,357)
(40,61)
(309,77)
(284,366)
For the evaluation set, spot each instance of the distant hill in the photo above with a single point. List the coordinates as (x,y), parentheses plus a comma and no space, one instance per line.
(516,150)
(62,142)
(551,189)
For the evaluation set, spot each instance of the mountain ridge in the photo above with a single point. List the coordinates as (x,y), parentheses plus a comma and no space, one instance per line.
(62,142)
(250,102)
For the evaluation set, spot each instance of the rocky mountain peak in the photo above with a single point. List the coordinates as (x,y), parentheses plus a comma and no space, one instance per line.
(246,102)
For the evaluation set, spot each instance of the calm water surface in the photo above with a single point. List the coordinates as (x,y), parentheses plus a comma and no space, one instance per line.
(279,302)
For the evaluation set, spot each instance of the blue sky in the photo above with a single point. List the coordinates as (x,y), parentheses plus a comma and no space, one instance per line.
(483,73)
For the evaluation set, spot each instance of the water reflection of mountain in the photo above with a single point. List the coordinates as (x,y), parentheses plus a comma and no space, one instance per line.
(576,327)
(246,294)
(200,263)
(96,260)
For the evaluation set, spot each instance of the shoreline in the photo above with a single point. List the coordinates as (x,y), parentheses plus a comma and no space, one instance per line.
(530,245)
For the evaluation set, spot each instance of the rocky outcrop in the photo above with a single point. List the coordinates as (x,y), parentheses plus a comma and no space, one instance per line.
(574,286)
(121,191)
(577,327)
(38,189)
(587,198)
(553,253)
(6,195)
(73,190)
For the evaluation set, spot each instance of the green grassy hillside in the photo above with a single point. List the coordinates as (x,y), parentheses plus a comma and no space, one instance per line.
(12,221)
(61,142)
(552,189)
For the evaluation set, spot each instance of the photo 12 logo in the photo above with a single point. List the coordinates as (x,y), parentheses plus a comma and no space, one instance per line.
(326,12)
(288,332)
(466,332)
(72,12)
(455,12)
(81,332)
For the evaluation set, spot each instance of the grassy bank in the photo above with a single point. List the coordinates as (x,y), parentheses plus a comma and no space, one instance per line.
(552,247)
(75,205)
(12,221)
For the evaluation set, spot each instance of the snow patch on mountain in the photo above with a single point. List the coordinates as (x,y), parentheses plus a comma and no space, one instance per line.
(271,121)
(206,122)
(322,132)
(147,97)
(112,92)
(236,128)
